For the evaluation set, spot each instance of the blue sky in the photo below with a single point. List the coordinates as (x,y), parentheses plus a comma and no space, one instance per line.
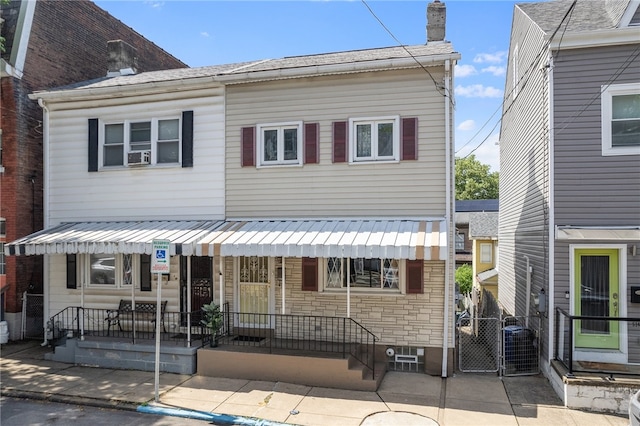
(217,32)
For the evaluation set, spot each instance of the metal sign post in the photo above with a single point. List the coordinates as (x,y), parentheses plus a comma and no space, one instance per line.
(160,263)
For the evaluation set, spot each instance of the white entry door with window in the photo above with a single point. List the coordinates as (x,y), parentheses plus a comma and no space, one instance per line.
(254,290)
(598,288)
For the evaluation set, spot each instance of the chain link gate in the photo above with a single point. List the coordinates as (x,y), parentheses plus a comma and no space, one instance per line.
(32,316)
(520,346)
(478,344)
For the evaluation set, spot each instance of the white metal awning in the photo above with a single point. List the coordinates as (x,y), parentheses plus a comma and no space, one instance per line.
(622,233)
(485,275)
(114,237)
(367,238)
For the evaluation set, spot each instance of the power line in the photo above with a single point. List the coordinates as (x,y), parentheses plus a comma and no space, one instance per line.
(439,87)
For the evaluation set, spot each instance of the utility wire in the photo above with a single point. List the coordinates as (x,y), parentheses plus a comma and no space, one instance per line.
(526,77)
(438,87)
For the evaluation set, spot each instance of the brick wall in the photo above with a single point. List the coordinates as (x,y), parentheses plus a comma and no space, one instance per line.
(67,44)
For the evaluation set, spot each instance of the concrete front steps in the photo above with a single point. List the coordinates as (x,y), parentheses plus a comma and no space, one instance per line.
(306,369)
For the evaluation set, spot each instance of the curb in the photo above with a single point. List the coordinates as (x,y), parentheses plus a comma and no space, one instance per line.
(211,417)
(78,400)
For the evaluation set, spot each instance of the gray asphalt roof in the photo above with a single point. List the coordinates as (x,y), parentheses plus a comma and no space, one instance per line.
(588,15)
(483,224)
(299,62)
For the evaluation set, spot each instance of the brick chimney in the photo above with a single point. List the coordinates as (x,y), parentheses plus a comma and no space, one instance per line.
(436,20)
(122,58)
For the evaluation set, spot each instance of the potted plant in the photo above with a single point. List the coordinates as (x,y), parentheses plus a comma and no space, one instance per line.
(213,320)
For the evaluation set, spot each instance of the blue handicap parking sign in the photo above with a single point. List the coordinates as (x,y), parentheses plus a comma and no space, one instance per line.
(161,254)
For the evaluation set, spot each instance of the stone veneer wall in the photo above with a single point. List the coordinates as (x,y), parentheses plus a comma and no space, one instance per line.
(401,320)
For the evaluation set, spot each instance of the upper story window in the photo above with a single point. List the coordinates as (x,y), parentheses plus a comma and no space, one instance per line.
(486,252)
(155,141)
(459,241)
(280,144)
(365,274)
(374,139)
(621,119)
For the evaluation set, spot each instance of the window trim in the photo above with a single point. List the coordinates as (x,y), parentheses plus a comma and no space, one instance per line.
(484,255)
(607,95)
(127,140)
(352,140)
(324,279)
(84,270)
(280,162)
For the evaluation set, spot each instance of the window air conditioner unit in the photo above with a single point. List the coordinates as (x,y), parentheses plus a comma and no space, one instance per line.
(139,158)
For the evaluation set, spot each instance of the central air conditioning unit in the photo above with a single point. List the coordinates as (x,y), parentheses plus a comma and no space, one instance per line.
(139,158)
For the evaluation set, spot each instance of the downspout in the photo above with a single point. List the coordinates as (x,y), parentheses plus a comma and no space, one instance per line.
(189,301)
(552,218)
(283,287)
(449,170)
(528,291)
(45,214)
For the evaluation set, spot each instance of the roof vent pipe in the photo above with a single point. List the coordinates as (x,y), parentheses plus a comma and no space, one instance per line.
(436,21)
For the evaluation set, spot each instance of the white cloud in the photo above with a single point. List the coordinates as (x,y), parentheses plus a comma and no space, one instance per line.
(497,71)
(467,125)
(487,153)
(155,4)
(204,34)
(465,70)
(494,58)
(478,91)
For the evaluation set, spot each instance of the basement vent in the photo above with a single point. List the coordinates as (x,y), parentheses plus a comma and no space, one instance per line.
(405,358)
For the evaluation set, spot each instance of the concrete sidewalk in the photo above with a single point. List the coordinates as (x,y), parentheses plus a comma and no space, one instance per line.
(406,399)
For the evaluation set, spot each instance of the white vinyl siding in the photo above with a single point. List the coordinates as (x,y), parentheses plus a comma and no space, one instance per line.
(137,193)
(327,188)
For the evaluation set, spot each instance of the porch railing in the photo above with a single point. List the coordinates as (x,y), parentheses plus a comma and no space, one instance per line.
(279,332)
(181,328)
(564,337)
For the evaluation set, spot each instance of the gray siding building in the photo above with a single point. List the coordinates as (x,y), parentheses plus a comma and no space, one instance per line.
(570,180)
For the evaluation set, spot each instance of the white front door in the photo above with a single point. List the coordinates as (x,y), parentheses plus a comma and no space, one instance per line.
(254,291)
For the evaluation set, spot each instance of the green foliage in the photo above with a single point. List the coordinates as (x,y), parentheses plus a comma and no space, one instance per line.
(464,278)
(474,181)
(212,317)
(2,39)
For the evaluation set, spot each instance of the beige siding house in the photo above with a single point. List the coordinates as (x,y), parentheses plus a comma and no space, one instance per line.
(310,197)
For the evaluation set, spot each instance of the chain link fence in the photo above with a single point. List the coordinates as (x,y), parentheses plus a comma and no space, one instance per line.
(32,316)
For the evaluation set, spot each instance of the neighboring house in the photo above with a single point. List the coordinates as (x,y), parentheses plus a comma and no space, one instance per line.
(483,232)
(463,243)
(48,44)
(570,188)
(317,191)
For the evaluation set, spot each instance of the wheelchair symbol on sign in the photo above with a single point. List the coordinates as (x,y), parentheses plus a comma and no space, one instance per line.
(161,254)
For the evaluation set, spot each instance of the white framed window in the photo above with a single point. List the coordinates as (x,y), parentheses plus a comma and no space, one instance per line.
(486,253)
(621,119)
(374,139)
(365,274)
(110,270)
(460,241)
(135,142)
(279,144)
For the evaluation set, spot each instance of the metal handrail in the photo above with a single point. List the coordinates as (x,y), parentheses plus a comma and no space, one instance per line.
(569,352)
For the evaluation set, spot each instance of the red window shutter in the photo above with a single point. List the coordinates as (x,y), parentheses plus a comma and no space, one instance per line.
(339,141)
(309,274)
(415,277)
(409,146)
(311,138)
(248,141)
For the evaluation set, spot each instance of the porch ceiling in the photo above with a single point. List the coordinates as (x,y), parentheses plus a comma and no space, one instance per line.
(368,238)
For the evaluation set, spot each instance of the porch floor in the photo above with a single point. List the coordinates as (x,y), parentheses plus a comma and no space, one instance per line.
(601,372)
